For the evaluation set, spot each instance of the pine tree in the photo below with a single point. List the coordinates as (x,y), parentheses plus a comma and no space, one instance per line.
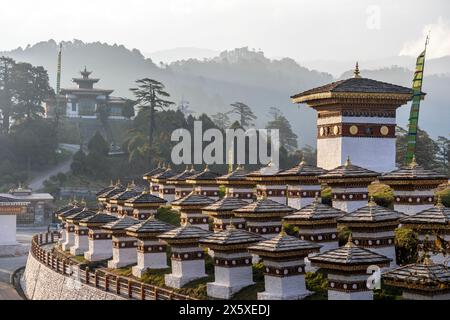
(244,112)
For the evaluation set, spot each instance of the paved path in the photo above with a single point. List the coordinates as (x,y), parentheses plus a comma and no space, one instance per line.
(9,264)
(38,182)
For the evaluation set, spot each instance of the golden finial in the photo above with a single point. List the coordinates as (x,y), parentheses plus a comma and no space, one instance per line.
(111,183)
(206,168)
(348,162)
(372,202)
(356,72)
(187,168)
(118,182)
(83,202)
(413,162)
(439,203)
(145,190)
(168,167)
(230,225)
(283,231)
(316,200)
(303,162)
(349,240)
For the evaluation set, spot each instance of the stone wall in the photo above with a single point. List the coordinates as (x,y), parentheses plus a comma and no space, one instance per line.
(41,283)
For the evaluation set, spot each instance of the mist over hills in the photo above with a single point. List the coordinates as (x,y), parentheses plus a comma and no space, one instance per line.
(210,85)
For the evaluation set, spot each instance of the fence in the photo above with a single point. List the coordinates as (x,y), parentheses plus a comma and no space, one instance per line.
(100,279)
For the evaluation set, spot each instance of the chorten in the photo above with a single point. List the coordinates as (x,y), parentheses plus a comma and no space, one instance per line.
(372,227)
(124,246)
(222,213)
(151,253)
(81,243)
(204,183)
(188,259)
(413,187)
(154,187)
(429,224)
(349,185)
(346,268)
(190,208)
(9,209)
(99,241)
(263,216)
(103,199)
(144,205)
(237,185)
(165,190)
(317,223)
(268,184)
(67,238)
(232,262)
(356,117)
(116,204)
(302,184)
(182,188)
(421,281)
(284,274)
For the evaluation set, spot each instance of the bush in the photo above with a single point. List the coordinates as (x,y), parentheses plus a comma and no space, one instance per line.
(406,246)
(382,194)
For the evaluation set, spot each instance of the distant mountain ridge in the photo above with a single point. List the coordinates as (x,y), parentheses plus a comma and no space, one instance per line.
(210,85)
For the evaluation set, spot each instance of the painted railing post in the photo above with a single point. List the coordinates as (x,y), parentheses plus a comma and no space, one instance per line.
(142,292)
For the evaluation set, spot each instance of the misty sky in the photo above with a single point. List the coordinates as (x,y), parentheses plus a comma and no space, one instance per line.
(304,30)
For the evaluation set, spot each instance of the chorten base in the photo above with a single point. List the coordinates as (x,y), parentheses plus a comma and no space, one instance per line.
(176,281)
(359,295)
(222,291)
(270,296)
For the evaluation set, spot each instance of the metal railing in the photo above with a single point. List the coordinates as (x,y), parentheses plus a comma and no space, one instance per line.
(101,279)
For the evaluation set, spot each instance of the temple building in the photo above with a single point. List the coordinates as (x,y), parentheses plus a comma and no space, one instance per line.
(84,100)
(205,184)
(9,209)
(237,185)
(124,246)
(144,206)
(317,223)
(151,252)
(116,203)
(165,190)
(154,188)
(429,224)
(232,262)
(302,184)
(356,117)
(103,198)
(264,216)
(346,268)
(413,187)
(372,227)
(349,185)
(420,281)
(182,188)
(222,213)
(68,236)
(99,241)
(190,209)
(188,259)
(268,184)
(284,267)
(40,205)
(80,241)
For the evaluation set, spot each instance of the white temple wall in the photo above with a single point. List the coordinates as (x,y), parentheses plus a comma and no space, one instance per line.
(349,206)
(8,230)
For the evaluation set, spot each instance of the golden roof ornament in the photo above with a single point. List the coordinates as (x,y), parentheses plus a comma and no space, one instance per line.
(206,168)
(111,183)
(118,182)
(413,162)
(350,241)
(348,162)
(83,202)
(231,226)
(356,73)
(283,231)
(439,203)
(316,201)
(303,162)
(372,202)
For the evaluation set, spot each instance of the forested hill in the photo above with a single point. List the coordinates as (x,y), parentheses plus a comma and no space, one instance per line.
(211,85)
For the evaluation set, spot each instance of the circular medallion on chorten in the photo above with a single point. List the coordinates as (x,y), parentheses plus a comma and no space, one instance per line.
(321,131)
(353,130)
(336,130)
(384,130)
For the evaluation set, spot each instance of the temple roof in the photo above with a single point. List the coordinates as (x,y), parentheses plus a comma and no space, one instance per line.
(182,176)
(283,243)
(371,213)
(99,218)
(302,169)
(204,175)
(106,189)
(10,201)
(354,85)
(315,211)
(151,225)
(125,195)
(231,236)
(121,223)
(71,211)
(237,174)
(348,170)
(166,174)
(193,199)
(145,197)
(116,190)
(426,276)
(264,206)
(85,213)
(350,254)
(185,232)
(412,171)
(226,204)
(62,209)
(153,172)
(438,214)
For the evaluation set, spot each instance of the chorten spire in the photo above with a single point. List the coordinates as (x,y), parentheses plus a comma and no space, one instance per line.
(356,73)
